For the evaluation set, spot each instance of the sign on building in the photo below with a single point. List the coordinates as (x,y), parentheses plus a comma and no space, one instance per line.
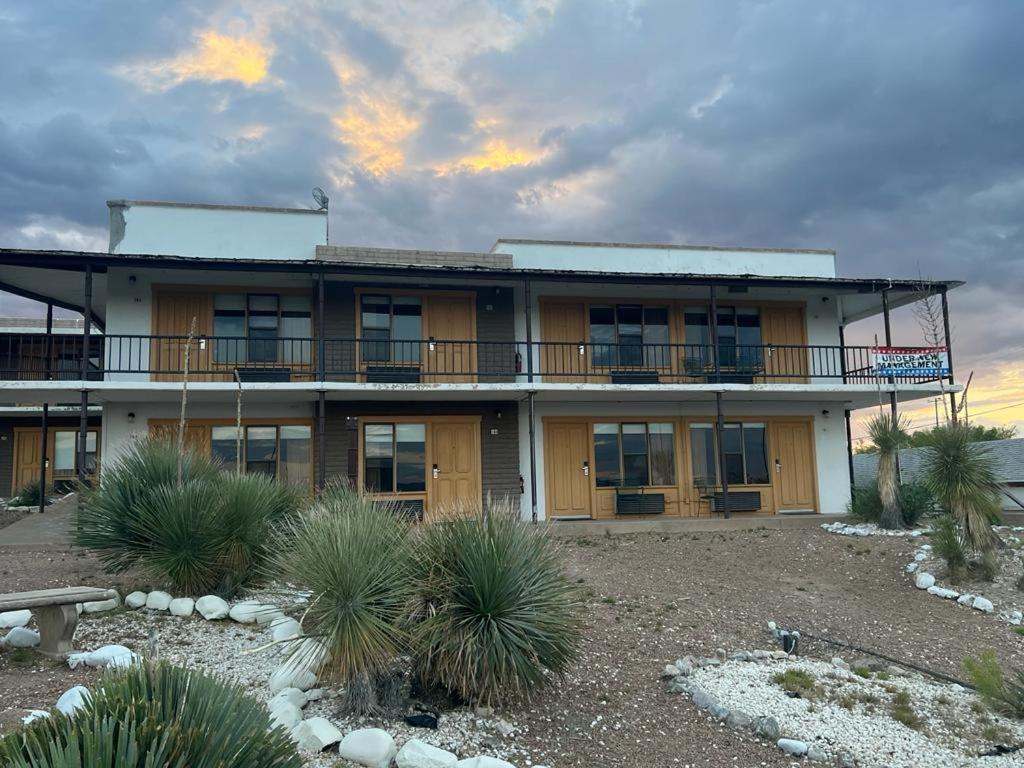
(910,361)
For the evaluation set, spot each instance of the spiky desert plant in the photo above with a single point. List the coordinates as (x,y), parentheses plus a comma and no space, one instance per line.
(30,494)
(948,544)
(497,610)
(155,714)
(1003,692)
(888,432)
(961,476)
(353,555)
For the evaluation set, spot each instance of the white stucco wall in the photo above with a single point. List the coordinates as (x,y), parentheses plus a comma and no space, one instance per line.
(119,432)
(220,232)
(829,437)
(692,260)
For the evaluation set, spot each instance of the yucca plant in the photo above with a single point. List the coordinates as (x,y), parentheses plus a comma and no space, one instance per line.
(948,544)
(960,474)
(888,432)
(353,554)
(30,495)
(155,715)
(1002,692)
(498,613)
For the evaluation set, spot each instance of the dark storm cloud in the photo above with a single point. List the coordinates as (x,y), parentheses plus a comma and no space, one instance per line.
(889,131)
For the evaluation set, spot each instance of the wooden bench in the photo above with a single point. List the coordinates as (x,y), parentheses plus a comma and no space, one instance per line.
(55,613)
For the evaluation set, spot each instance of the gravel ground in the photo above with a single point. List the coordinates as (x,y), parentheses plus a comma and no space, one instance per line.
(10,515)
(650,599)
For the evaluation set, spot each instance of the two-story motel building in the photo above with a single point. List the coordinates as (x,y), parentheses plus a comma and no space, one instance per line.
(588,380)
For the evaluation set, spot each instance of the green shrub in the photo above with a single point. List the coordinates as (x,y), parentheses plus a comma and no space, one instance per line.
(1001,692)
(916,502)
(155,715)
(211,532)
(30,495)
(902,711)
(948,544)
(354,555)
(498,612)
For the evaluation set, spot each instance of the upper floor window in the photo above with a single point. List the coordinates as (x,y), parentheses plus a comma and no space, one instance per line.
(629,334)
(394,457)
(745,454)
(627,455)
(739,334)
(262,328)
(392,328)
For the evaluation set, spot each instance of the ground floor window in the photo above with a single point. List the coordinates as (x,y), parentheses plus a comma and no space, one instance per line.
(394,458)
(65,451)
(634,454)
(744,449)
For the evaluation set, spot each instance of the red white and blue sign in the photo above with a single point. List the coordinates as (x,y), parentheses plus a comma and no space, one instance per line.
(910,361)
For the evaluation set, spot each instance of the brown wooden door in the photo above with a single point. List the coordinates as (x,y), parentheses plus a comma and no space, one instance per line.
(450,324)
(563,324)
(567,470)
(455,455)
(794,466)
(172,316)
(784,326)
(197,436)
(27,450)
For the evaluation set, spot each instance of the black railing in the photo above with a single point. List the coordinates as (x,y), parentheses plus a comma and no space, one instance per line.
(379,360)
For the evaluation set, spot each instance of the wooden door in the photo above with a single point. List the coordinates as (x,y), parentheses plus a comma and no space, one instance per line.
(450,323)
(172,317)
(784,326)
(197,436)
(455,455)
(563,324)
(792,446)
(27,450)
(567,472)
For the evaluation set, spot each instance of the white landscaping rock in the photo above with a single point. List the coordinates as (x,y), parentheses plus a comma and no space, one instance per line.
(250,612)
(158,601)
(15,619)
(792,747)
(372,747)
(20,637)
(33,715)
(924,580)
(418,754)
(982,604)
(135,600)
(181,606)
(948,594)
(300,668)
(293,696)
(72,699)
(99,606)
(315,734)
(965,600)
(211,607)
(284,628)
(285,715)
(483,762)
(107,656)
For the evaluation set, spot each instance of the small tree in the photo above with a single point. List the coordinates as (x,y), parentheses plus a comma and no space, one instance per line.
(888,432)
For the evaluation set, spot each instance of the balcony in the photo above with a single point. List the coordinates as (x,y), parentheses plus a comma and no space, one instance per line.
(30,357)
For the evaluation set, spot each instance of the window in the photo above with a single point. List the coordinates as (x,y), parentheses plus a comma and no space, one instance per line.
(739,337)
(629,335)
(261,450)
(744,449)
(296,442)
(262,328)
(224,445)
(392,328)
(284,452)
(634,454)
(394,458)
(65,451)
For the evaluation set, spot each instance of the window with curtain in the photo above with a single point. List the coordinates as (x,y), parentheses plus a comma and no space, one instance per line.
(392,328)
(634,454)
(629,335)
(65,451)
(394,458)
(744,449)
(295,450)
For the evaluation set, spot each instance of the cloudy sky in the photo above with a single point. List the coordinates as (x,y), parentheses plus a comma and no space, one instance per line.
(891,132)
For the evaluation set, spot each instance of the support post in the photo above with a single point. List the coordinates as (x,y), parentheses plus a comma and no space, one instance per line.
(528,311)
(45,426)
(83,419)
(533,459)
(321,342)
(713,327)
(888,343)
(949,352)
(720,430)
(849,451)
(321,440)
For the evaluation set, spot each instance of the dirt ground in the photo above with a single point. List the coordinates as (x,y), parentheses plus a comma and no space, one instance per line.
(650,599)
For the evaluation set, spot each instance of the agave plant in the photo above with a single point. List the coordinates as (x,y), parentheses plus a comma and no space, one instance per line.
(960,474)
(155,714)
(353,554)
(498,612)
(888,432)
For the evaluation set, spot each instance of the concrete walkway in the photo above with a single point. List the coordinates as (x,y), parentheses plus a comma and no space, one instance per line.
(46,532)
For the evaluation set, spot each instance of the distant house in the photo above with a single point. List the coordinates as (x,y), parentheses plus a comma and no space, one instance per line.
(1009,466)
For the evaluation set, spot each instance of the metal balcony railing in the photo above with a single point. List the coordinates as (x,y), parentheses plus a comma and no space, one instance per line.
(382,360)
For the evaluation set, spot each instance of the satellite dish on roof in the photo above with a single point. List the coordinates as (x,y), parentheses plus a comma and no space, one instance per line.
(320,198)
